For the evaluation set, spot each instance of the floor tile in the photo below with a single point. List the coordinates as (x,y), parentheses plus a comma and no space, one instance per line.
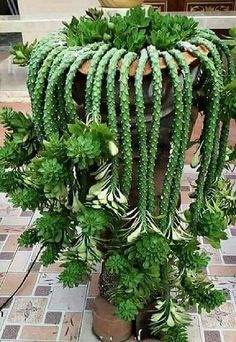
(213,253)
(223,317)
(228,246)
(89,303)
(6,255)
(71,326)
(48,279)
(42,290)
(10,228)
(39,333)
(230,259)
(12,281)
(10,332)
(53,317)
(11,243)
(3,237)
(20,261)
(212,336)
(229,336)
(27,310)
(86,331)
(228,271)
(194,331)
(68,299)
(4,265)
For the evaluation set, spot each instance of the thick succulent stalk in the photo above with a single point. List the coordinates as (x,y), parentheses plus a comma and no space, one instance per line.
(39,91)
(111,109)
(211,112)
(142,136)
(90,77)
(222,47)
(224,134)
(50,108)
(187,103)
(69,102)
(39,53)
(175,141)
(60,89)
(97,85)
(220,67)
(155,130)
(125,123)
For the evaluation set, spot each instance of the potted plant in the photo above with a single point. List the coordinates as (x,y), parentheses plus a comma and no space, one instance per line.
(121,3)
(114,100)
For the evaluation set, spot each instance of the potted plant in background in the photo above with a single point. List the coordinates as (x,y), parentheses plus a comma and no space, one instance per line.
(121,3)
(105,171)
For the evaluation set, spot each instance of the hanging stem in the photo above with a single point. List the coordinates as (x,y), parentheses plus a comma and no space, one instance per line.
(142,136)
(112,115)
(90,77)
(155,130)
(187,103)
(125,123)
(175,142)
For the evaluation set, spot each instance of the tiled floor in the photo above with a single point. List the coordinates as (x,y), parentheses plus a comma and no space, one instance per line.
(43,311)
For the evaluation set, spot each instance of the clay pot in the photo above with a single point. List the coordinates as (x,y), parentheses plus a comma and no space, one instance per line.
(106,325)
(121,3)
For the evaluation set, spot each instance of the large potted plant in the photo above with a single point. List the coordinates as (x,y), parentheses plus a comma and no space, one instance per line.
(113,104)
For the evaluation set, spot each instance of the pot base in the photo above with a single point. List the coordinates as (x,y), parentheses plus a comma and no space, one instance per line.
(106,325)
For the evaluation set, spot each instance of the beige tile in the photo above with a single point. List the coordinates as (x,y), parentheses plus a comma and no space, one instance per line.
(93,286)
(71,326)
(213,253)
(194,332)
(228,271)
(54,268)
(27,310)
(12,281)
(228,246)
(229,336)
(18,220)
(20,261)
(223,317)
(39,333)
(11,228)
(11,243)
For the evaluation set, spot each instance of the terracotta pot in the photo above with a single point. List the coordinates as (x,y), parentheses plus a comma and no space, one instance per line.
(121,3)
(106,325)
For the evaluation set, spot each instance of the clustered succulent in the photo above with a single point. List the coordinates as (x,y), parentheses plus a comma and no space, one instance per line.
(66,162)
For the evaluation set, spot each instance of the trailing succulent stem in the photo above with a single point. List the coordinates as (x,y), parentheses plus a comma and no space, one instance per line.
(126,142)
(155,130)
(111,109)
(142,136)
(175,141)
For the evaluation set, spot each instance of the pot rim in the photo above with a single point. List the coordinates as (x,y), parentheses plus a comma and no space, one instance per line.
(190,59)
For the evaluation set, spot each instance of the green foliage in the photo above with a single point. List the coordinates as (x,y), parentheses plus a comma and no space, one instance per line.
(202,292)
(93,221)
(26,198)
(50,253)
(149,249)
(22,53)
(73,274)
(127,309)
(133,31)
(29,238)
(177,333)
(213,224)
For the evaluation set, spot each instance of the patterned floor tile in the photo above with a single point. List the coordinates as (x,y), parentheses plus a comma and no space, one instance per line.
(71,326)
(39,333)
(27,310)
(12,281)
(53,317)
(226,270)
(48,279)
(10,332)
(68,299)
(42,290)
(223,317)
(12,228)
(212,336)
